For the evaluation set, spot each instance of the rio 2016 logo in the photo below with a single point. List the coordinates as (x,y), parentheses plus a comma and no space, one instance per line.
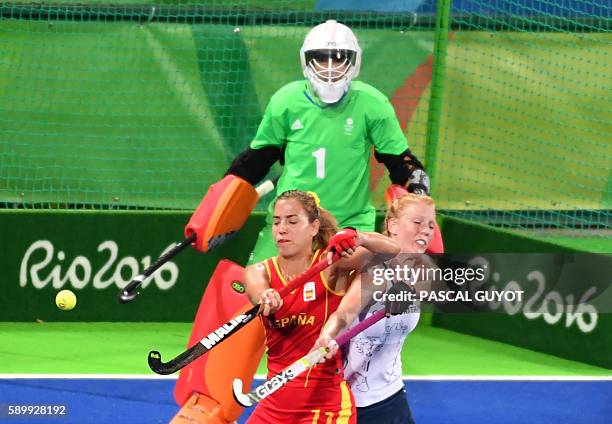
(545,303)
(79,272)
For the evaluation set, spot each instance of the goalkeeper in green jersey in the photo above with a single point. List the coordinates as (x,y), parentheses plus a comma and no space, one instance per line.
(322,130)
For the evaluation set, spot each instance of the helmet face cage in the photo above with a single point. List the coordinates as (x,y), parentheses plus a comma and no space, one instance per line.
(331,58)
(330,65)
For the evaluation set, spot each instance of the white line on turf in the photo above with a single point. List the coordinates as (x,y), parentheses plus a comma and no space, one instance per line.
(507,377)
(96,376)
(263,376)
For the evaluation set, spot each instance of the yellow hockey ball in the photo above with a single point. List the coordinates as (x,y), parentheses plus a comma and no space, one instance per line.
(65,300)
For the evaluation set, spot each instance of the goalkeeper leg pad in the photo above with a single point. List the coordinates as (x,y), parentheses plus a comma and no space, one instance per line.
(222,212)
(199,409)
(237,357)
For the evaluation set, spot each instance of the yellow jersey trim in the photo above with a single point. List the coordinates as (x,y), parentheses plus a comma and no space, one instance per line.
(324,280)
(278,271)
(346,405)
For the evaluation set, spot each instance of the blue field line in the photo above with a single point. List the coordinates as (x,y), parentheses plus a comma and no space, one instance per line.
(147,401)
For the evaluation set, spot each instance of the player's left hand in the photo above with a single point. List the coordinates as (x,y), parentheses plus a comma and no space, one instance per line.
(418,183)
(330,344)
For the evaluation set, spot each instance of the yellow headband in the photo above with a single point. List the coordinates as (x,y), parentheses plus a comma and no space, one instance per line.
(315,197)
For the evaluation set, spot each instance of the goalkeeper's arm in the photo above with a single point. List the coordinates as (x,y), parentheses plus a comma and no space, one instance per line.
(228,203)
(407,173)
(252,165)
(405,170)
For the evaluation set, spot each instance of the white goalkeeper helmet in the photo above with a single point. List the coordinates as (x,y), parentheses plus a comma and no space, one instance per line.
(331,58)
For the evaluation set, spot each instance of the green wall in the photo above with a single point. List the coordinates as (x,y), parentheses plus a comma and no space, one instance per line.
(112,246)
(570,335)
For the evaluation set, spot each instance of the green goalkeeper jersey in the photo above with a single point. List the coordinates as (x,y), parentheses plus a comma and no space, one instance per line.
(328,146)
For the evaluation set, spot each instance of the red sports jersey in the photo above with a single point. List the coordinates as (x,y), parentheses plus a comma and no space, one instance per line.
(320,395)
(297,405)
(293,329)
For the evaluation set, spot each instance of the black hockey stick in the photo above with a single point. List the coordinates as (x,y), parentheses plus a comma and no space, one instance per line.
(229,328)
(292,371)
(129,292)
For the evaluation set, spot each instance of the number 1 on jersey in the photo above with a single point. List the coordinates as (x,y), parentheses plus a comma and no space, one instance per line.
(320,158)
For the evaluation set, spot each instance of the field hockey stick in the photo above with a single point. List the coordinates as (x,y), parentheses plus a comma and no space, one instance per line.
(129,292)
(229,328)
(304,363)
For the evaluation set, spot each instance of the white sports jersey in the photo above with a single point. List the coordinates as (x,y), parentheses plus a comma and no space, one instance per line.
(373,365)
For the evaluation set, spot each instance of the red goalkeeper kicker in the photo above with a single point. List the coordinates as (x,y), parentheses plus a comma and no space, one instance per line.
(222,212)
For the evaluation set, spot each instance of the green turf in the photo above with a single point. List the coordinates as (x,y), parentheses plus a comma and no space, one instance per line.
(113,348)
(121,348)
(436,351)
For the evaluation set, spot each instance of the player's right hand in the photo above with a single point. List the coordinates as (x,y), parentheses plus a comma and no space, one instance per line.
(270,302)
(343,243)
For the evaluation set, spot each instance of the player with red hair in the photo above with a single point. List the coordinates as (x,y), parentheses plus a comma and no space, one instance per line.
(373,365)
